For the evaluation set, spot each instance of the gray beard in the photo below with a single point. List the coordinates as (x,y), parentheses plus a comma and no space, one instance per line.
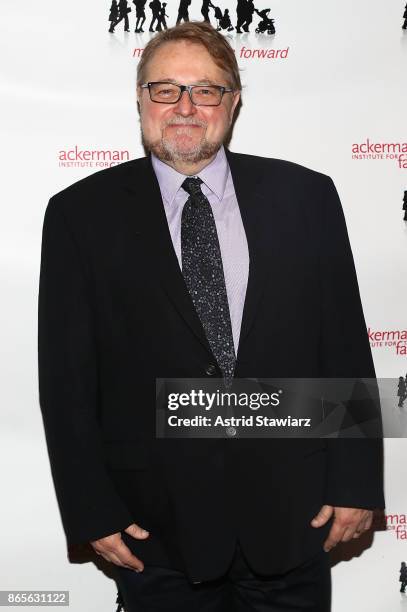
(166,152)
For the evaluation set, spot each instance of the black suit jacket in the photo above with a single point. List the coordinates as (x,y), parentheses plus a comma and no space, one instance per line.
(114,314)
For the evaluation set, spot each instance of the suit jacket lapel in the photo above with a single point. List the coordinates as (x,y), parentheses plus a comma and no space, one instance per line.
(150,220)
(255,210)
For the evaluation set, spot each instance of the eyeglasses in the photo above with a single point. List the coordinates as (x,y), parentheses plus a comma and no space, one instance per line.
(200,95)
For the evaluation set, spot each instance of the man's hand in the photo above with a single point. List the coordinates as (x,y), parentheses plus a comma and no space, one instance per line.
(113,549)
(348,523)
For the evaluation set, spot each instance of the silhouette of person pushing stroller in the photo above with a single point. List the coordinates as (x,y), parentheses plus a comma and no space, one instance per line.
(206,5)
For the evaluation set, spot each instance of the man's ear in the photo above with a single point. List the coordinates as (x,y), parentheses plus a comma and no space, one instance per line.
(138,91)
(235,103)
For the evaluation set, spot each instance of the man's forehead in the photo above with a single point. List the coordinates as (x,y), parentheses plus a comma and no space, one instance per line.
(200,66)
(182,44)
(193,52)
(203,80)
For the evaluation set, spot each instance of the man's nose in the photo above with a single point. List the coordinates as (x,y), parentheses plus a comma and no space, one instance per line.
(184,105)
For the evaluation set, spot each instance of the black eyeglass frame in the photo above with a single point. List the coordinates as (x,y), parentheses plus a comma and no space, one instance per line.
(187,88)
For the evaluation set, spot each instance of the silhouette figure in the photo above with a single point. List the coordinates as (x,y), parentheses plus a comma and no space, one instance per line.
(401,391)
(140,14)
(244,11)
(155,6)
(266,24)
(223,20)
(404,26)
(249,15)
(124,10)
(183,11)
(218,17)
(240,12)
(113,15)
(206,5)
(162,24)
(403,577)
(405,206)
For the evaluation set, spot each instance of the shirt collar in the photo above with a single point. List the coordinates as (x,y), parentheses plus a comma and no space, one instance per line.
(214,175)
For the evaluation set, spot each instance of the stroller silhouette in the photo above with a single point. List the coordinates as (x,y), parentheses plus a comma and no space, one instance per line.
(266,24)
(223,19)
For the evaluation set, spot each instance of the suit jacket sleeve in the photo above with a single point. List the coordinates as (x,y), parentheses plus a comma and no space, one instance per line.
(68,388)
(355,466)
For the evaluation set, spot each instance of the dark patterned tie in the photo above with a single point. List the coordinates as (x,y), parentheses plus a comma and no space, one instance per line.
(203,272)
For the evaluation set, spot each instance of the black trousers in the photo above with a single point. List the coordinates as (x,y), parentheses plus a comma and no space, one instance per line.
(158,589)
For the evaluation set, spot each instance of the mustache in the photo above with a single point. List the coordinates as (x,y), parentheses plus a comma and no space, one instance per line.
(185,121)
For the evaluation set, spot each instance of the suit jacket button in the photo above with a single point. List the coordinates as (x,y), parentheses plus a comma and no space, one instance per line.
(210,369)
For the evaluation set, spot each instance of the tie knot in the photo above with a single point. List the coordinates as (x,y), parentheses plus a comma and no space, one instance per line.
(192,185)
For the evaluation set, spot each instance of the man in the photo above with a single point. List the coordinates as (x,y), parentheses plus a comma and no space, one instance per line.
(196,262)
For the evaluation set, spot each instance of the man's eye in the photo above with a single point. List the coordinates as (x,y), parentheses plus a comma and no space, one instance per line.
(204,91)
(165,92)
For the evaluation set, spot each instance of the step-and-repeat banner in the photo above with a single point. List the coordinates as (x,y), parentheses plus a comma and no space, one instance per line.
(325,85)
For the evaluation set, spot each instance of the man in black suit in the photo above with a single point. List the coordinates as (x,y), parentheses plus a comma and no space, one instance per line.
(196,262)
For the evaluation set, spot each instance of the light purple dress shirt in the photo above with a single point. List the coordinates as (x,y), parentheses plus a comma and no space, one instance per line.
(219,189)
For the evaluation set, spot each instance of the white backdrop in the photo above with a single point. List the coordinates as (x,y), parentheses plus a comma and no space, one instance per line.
(65,83)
